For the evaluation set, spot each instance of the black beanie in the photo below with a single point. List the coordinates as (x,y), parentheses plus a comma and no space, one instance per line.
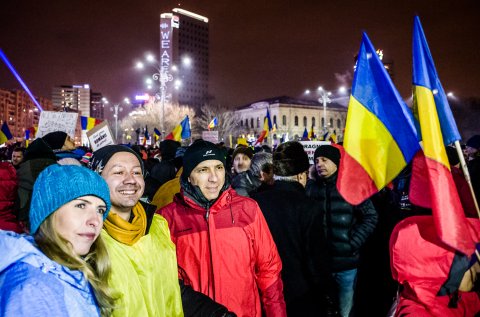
(328,151)
(101,157)
(198,152)
(290,159)
(55,140)
(168,149)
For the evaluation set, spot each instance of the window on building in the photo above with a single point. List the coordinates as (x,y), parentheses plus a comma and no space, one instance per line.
(304,121)
(313,121)
(241,122)
(339,123)
(251,122)
(246,123)
(331,122)
(296,121)
(323,122)
(284,120)
(258,122)
(274,119)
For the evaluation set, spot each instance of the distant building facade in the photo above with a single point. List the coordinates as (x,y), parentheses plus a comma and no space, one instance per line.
(184,57)
(80,99)
(19,111)
(291,116)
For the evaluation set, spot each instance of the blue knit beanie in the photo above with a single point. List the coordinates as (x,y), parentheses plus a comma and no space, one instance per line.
(59,184)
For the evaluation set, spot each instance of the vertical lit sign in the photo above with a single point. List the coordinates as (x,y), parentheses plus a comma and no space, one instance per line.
(165,56)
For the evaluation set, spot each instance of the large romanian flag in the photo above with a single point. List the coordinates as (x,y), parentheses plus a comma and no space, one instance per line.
(380,137)
(267,126)
(432,184)
(181,131)
(5,133)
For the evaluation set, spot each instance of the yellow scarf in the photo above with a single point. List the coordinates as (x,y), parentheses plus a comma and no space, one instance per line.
(124,231)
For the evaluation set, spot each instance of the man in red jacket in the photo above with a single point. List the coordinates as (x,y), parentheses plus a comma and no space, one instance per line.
(224,247)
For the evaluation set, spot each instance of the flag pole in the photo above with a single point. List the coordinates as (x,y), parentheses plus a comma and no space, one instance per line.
(466,174)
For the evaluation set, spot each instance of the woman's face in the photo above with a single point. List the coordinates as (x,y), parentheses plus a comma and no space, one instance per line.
(80,221)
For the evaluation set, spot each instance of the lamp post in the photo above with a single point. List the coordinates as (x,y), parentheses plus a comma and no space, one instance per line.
(116,109)
(325,97)
(163,75)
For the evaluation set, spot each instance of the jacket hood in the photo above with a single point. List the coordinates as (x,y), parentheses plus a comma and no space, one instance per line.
(21,248)
(422,263)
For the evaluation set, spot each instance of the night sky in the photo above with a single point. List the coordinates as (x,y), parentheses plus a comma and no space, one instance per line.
(258,49)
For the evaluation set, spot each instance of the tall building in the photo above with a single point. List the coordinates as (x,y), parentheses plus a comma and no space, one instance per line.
(97,106)
(184,57)
(19,111)
(74,98)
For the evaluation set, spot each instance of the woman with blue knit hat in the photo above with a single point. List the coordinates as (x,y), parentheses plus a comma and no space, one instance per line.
(63,268)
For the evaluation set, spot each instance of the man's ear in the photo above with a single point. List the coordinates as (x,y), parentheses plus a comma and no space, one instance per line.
(188,179)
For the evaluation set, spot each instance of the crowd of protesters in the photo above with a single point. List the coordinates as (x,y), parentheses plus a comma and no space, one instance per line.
(205,230)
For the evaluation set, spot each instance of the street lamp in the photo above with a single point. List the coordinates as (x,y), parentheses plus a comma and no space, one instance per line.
(163,76)
(116,109)
(325,97)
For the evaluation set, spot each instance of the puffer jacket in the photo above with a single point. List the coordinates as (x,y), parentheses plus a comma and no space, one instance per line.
(430,272)
(226,251)
(33,285)
(8,194)
(347,226)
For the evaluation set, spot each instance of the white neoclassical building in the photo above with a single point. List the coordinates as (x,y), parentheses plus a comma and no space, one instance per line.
(292,116)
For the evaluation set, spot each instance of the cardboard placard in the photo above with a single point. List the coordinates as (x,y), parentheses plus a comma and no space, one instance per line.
(311,146)
(100,136)
(51,121)
(211,136)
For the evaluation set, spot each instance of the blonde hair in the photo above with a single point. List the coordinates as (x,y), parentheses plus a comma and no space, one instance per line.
(95,265)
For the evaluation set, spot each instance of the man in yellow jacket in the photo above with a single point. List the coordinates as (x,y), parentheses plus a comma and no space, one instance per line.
(144,264)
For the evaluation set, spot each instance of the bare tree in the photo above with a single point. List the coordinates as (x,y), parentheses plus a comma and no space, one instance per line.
(227,121)
(150,115)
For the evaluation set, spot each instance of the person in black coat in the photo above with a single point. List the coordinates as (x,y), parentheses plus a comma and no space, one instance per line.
(347,226)
(295,222)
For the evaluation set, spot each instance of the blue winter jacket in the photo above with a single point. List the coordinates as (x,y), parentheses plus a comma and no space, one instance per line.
(33,285)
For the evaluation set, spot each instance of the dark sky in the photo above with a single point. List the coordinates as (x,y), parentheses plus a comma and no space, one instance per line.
(258,49)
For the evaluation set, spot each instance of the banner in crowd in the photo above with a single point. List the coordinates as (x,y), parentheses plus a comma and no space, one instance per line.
(311,146)
(100,136)
(51,121)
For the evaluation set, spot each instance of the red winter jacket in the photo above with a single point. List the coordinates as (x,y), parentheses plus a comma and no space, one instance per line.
(228,255)
(8,193)
(421,263)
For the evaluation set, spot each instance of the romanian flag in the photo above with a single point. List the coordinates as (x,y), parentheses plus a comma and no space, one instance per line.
(305,134)
(213,123)
(432,183)
(5,133)
(333,137)
(181,131)
(89,122)
(267,126)
(380,137)
(311,133)
(146,136)
(156,133)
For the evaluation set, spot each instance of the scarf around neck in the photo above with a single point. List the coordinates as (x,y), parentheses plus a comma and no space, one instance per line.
(124,231)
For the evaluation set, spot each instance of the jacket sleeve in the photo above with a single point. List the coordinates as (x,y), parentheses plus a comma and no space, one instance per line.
(200,305)
(30,297)
(366,221)
(267,268)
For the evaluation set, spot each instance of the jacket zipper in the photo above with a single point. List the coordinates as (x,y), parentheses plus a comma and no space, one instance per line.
(207,214)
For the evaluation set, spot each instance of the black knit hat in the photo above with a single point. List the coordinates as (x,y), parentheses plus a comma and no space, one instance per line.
(328,151)
(101,157)
(474,142)
(168,149)
(55,140)
(198,152)
(290,159)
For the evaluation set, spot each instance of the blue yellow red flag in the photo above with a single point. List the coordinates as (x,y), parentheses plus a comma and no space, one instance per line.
(311,133)
(432,184)
(267,126)
(5,133)
(213,123)
(380,137)
(181,131)
(88,123)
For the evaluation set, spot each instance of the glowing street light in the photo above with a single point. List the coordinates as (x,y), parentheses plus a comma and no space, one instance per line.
(325,97)
(116,109)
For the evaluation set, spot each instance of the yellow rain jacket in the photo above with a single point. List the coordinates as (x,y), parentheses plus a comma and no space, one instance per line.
(145,274)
